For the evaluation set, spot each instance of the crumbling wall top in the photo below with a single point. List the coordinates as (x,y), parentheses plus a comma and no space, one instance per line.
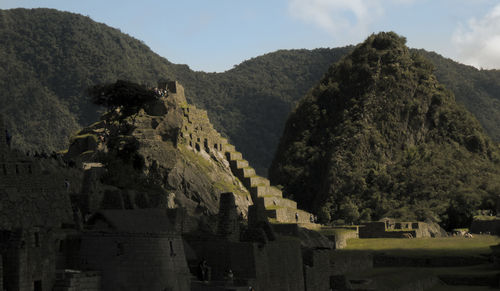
(176,92)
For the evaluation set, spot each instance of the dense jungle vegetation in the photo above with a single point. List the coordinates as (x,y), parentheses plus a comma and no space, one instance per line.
(49,58)
(380,136)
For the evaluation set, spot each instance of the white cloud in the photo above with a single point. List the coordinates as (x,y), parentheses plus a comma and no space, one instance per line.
(478,41)
(346,19)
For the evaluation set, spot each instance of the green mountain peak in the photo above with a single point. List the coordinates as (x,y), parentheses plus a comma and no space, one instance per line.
(380,133)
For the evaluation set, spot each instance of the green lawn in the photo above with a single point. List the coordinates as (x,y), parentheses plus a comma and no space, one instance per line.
(446,246)
(485,217)
(335,231)
(443,287)
(393,278)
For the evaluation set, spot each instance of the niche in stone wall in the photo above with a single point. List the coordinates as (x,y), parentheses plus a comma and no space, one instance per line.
(205,144)
(172,253)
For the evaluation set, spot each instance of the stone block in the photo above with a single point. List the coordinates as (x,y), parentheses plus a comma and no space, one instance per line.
(234,156)
(238,164)
(248,172)
(287,215)
(273,201)
(229,148)
(261,191)
(255,181)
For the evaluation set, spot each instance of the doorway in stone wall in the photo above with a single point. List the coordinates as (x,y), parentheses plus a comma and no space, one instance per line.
(37,285)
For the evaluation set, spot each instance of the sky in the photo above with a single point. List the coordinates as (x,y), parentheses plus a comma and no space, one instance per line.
(214,36)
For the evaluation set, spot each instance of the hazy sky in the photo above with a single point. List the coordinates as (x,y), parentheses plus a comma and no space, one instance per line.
(218,34)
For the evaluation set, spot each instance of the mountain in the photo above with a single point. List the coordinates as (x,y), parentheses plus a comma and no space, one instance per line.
(49,58)
(380,136)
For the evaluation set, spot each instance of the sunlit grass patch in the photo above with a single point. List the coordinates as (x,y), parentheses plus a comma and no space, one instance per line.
(445,246)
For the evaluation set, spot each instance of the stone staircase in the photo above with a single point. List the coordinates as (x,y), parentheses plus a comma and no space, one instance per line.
(198,133)
(280,209)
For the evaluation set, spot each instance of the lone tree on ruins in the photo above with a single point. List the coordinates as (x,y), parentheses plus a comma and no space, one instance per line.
(126,95)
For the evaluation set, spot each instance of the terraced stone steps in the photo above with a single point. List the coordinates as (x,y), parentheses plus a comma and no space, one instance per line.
(200,134)
(277,207)
(273,201)
(238,164)
(286,214)
(228,148)
(255,181)
(235,156)
(262,191)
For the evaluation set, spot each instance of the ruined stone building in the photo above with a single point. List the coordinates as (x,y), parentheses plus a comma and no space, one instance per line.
(134,250)
(199,134)
(63,229)
(33,205)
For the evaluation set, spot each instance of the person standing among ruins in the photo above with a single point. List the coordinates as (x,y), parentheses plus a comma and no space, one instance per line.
(205,271)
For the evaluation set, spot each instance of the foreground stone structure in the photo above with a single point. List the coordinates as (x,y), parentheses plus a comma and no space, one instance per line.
(27,259)
(261,258)
(32,190)
(393,229)
(134,250)
(98,236)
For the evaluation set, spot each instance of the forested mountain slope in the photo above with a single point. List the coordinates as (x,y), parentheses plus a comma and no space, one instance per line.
(380,136)
(48,58)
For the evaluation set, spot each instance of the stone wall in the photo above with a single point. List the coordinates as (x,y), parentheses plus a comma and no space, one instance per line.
(340,238)
(274,266)
(28,259)
(222,255)
(136,261)
(227,220)
(418,229)
(75,280)
(279,266)
(199,134)
(350,262)
(32,191)
(486,226)
(316,270)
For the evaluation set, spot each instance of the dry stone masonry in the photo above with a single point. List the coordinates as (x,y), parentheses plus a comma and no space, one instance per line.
(199,134)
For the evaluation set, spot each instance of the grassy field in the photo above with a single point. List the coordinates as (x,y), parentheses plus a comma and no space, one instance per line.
(446,246)
(335,231)
(461,288)
(391,278)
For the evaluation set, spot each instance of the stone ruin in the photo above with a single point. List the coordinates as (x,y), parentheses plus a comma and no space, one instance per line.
(227,221)
(254,261)
(389,228)
(199,134)
(86,249)
(32,191)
